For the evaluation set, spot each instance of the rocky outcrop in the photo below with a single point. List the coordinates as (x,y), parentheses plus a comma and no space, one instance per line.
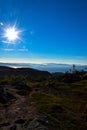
(14,127)
(20,121)
(21,86)
(36,125)
(5,96)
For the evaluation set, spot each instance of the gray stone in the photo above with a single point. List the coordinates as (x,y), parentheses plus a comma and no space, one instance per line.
(14,127)
(36,125)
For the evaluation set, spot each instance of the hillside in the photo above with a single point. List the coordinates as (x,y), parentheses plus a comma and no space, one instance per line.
(53,102)
(22,71)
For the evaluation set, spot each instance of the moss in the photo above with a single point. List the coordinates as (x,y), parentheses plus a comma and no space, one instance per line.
(63,110)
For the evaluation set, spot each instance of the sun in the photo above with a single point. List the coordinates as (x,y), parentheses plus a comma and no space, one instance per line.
(11,34)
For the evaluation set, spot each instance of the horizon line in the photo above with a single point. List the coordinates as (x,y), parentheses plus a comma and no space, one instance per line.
(32,62)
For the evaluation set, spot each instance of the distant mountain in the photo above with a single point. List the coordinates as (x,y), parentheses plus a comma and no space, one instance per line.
(4,70)
(51,67)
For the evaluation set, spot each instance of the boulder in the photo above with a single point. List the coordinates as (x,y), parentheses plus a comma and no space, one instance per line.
(21,86)
(36,125)
(14,127)
(20,121)
(5,96)
(4,124)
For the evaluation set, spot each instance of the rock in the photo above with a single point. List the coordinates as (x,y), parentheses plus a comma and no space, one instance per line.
(21,86)
(10,96)
(5,96)
(36,125)
(4,124)
(20,121)
(57,108)
(14,127)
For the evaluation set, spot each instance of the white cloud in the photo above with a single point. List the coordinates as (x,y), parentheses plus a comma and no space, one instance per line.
(1,23)
(7,49)
(6,42)
(22,49)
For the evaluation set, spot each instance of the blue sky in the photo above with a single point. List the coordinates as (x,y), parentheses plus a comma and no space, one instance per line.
(52,31)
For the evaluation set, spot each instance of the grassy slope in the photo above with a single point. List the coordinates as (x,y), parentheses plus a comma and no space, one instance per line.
(68,109)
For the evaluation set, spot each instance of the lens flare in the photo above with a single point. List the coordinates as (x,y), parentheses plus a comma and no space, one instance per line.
(11,34)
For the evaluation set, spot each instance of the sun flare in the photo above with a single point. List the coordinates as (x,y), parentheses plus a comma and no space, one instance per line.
(11,34)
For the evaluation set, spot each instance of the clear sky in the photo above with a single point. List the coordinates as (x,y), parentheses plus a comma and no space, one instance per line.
(50,31)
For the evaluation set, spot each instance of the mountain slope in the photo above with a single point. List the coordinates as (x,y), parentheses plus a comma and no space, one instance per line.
(22,71)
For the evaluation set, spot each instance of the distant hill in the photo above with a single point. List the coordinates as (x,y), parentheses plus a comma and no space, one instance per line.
(4,70)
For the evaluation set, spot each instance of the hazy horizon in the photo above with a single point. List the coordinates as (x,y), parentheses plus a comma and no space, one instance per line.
(50,67)
(42,62)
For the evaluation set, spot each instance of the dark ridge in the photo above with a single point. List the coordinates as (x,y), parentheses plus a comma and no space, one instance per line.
(22,71)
